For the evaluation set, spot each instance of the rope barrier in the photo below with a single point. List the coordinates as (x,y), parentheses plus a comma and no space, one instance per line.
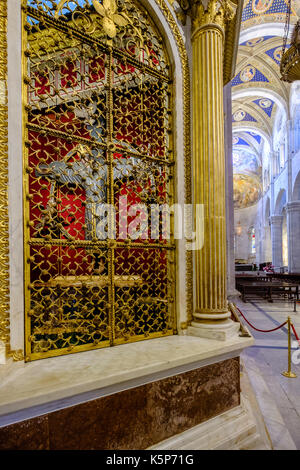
(257,329)
(288,373)
(295,333)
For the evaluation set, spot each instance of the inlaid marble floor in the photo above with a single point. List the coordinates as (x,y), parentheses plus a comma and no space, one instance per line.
(278,396)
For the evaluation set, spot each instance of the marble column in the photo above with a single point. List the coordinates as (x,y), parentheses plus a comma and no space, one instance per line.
(293,222)
(276,236)
(267,250)
(210,316)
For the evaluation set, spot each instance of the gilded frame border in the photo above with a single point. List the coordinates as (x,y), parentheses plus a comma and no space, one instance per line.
(4,227)
(187,143)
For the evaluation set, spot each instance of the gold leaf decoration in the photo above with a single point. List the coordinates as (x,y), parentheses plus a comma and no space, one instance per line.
(120,20)
(59,7)
(99,8)
(109,17)
(109,27)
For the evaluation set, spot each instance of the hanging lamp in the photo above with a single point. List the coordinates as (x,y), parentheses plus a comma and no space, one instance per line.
(290,58)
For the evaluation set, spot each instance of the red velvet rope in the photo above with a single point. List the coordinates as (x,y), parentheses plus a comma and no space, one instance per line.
(295,333)
(262,331)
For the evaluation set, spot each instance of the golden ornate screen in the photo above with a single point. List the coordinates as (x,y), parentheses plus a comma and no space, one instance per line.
(99,173)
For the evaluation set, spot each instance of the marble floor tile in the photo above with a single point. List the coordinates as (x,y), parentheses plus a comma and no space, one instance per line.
(265,361)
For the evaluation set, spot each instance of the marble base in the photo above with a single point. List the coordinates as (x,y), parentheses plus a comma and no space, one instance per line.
(235,429)
(40,387)
(135,418)
(221,332)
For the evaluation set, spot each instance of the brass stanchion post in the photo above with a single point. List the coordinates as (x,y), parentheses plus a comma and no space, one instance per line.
(289,372)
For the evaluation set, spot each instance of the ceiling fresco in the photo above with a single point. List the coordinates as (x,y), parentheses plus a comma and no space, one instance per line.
(259,96)
(245,162)
(247,177)
(268,11)
(247,190)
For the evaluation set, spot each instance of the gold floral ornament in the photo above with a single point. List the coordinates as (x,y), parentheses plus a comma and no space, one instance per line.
(110,18)
(108,10)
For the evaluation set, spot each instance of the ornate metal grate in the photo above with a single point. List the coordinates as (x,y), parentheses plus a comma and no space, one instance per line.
(98,158)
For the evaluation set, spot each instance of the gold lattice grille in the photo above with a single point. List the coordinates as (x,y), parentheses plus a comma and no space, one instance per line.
(98,142)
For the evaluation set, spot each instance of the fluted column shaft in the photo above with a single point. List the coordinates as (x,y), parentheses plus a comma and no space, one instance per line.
(209,170)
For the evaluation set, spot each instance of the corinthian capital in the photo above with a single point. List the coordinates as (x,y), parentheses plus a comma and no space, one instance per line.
(205,11)
(217,12)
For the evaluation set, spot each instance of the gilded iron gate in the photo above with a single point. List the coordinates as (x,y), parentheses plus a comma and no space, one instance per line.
(98,159)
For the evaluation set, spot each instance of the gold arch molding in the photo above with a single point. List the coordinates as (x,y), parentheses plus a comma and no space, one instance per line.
(187,136)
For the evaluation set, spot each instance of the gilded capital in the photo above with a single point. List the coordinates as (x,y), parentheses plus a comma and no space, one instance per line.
(211,12)
(204,12)
(221,15)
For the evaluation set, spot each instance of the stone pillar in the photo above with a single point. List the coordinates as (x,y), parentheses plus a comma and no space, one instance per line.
(276,236)
(210,316)
(267,249)
(229,191)
(293,223)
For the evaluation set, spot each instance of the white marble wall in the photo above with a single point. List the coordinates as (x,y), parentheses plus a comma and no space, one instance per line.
(15,167)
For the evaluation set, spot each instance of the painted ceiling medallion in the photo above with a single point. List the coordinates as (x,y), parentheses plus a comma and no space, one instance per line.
(265,103)
(247,73)
(254,42)
(261,6)
(278,53)
(239,115)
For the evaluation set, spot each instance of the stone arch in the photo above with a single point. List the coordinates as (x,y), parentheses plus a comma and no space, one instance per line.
(280,202)
(264,93)
(271,29)
(296,189)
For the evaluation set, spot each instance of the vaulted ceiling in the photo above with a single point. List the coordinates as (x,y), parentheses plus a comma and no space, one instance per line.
(258,93)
